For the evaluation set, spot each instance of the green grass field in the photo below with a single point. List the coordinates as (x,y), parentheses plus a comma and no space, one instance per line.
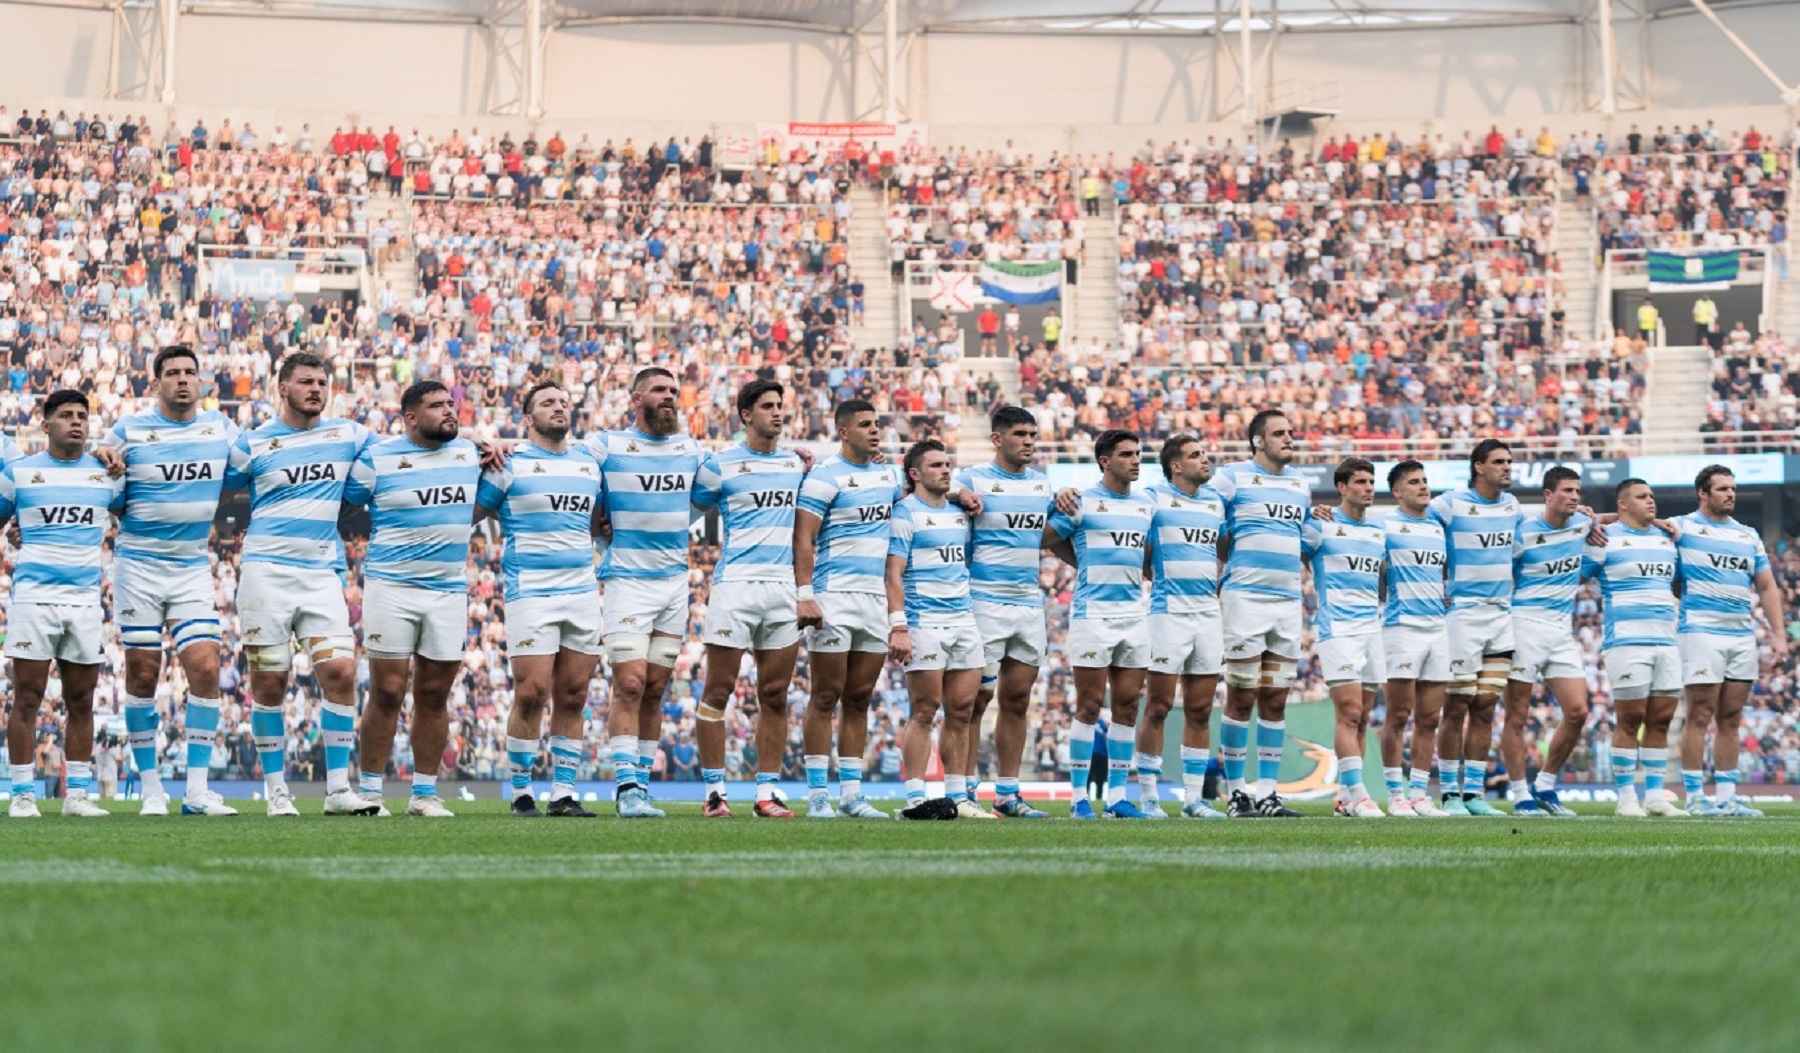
(487,932)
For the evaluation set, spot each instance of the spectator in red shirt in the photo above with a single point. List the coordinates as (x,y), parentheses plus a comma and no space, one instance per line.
(988,322)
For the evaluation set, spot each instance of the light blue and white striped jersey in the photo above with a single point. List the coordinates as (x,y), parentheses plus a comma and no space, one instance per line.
(1719,565)
(1184,549)
(546,504)
(174,471)
(9,450)
(1347,557)
(63,509)
(854,503)
(296,482)
(1416,559)
(1109,532)
(1637,570)
(1480,543)
(933,539)
(1264,515)
(755,494)
(421,510)
(649,493)
(1006,551)
(1547,568)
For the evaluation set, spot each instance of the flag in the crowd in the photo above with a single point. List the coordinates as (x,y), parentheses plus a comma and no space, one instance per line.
(1692,272)
(1022,283)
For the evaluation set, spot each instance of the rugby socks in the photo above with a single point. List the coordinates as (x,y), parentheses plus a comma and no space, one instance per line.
(1350,779)
(1234,751)
(424,785)
(565,754)
(1193,772)
(1449,777)
(1625,764)
(337,726)
(956,787)
(202,733)
(269,728)
(1270,737)
(24,780)
(1418,785)
(141,721)
(646,749)
(1121,745)
(1546,781)
(624,760)
(713,779)
(1006,787)
(850,773)
(765,785)
(1693,783)
(818,772)
(80,777)
(368,783)
(1474,780)
(1655,762)
(915,791)
(1081,757)
(974,787)
(1149,771)
(1395,778)
(1517,790)
(1725,784)
(520,753)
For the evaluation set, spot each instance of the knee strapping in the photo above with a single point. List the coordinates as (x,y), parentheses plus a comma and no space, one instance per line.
(141,637)
(709,714)
(1277,673)
(663,651)
(1492,679)
(1244,674)
(271,658)
(326,648)
(199,630)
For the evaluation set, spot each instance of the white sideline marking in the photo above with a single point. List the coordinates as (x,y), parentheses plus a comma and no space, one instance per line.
(783,865)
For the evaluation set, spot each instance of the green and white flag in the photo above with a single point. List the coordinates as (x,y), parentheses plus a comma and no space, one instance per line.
(1022,283)
(1692,272)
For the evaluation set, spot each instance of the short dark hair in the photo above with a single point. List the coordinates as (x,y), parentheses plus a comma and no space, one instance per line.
(299,360)
(1703,482)
(1259,424)
(647,374)
(1171,451)
(414,396)
(1402,470)
(173,351)
(534,390)
(1349,467)
(1559,475)
(916,454)
(756,389)
(1110,439)
(848,409)
(1483,450)
(58,399)
(1007,417)
(1626,484)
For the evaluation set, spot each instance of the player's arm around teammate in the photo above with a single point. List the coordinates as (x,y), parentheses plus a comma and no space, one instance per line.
(1347,556)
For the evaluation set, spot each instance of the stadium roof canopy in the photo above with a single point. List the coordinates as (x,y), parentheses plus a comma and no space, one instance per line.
(1026,16)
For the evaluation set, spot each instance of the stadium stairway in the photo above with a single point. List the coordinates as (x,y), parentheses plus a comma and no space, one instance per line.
(1094,312)
(869,261)
(403,272)
(1675,398)
(1787,307)
(1575,247)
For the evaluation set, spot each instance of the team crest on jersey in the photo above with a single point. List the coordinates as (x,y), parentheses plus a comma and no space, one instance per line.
(852,483)
(1702,532)
(253,631)
(37,477)
(1090,654)
(788,466)
(152,437)
(1340,532)
(537,468)
(404,463)
(587,471)
(996,489)
(1537,539)
(1101,508)
(274,444)
(23,645)
(726,633)
(1406,665)
(206,432)
(743,468)
(128,612)
(930,522)
(528,641)
(1404,529)
(374,637)
(461,457)
(1256,480)
(631,447)
(1038,489)
(97,477)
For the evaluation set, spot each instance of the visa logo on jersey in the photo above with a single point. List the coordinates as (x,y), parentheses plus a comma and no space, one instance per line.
(874,514)
(583,503)
(765,499)
(1284,513)
(186,473)
(950,553)
(1720,561)
(1200,535)
(310,473)
(443,495)
(1024,521)
(1496,539)
(67,515)
(1653,570)
(1427,558)
(1363,564)
(1126,538)
(1563,566)
(662,484)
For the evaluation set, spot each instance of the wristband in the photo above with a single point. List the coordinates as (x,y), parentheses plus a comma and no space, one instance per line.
(803,593)
(896,619)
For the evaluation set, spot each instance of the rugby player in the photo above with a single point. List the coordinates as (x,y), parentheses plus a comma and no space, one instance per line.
(1266,508)
(1638,569)
(291,576)
(1105,540)
(174,458)
(1347,555)
(1546,576)
(1004,562)
(752,607)
(1413,641)
(1722,562)
(420,489)
(63,498)
(1187,644)
(1481,522)
(547,500)
(932,629)
(840,548)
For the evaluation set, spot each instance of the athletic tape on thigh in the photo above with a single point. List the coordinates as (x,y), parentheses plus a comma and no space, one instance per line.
(990,676)
(141,637)
(664,650)
(1277,672)
(271,658)
(627,647)
(708,713)
(327,648)
(1244,674)
(198,630)
(1494,670)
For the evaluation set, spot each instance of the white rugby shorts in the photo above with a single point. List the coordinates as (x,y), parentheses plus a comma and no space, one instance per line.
(1351,660)
(1545,650)
(1643,672)
(854,621)
(1416,653)
(1011,630)
(1103,643)
(1190,643)
(401,620)
(149,594)
(753,615)
(637,608)
(1256,624)
(540,625)
(1713,658)
(278,603)
(1476,632)
(948,647)
(39,632)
